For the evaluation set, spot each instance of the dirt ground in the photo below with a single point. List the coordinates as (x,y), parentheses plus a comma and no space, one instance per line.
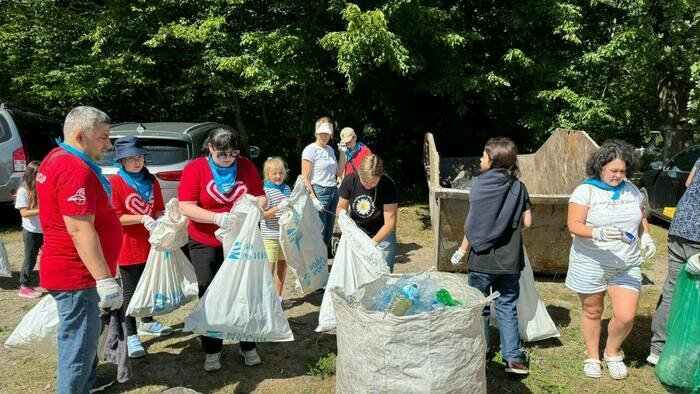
(176,360)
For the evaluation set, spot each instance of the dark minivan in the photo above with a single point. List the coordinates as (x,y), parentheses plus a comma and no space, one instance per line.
(663,184)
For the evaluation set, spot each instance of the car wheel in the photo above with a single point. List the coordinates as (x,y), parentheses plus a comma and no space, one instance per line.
(647,208)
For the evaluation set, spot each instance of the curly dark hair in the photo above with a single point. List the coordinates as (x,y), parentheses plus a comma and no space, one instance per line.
(609,151)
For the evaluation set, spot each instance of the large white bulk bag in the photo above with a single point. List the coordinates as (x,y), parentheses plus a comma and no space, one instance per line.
(441,351)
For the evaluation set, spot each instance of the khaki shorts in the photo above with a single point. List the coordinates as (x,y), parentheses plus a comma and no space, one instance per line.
(274,251)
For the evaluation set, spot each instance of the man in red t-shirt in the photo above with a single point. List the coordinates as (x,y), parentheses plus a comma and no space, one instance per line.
(82,239)
(351,151)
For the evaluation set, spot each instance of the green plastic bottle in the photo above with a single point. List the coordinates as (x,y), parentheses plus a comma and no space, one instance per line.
(445,298)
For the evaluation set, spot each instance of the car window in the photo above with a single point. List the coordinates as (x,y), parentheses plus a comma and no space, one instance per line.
(5,132)
(161,152)
(686,160)
(38,133)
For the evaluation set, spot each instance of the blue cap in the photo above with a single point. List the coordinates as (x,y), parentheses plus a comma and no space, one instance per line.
(128,146)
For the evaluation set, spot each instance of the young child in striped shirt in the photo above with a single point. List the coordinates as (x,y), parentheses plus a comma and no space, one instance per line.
(277,193)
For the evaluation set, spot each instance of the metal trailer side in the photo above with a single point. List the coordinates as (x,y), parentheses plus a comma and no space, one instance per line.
(550,174)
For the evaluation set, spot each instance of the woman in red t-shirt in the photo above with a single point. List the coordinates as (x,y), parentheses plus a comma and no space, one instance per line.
(209,187)
(137,199)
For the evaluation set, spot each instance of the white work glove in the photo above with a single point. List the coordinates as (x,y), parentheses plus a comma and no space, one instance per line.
(148,222)
(284,204)
(223,219)
(603,234)
(648,244)
(457,256)
(342,147)
(317,204)
(693,265)
(110,294)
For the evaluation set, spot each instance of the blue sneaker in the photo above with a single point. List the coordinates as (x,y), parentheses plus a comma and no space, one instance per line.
(154,328)
(136,350)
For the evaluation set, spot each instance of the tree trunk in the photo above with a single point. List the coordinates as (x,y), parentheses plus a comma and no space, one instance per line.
(243,137)
(673,105)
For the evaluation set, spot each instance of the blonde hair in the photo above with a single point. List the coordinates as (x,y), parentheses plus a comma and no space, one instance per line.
(273,163)
(370,166)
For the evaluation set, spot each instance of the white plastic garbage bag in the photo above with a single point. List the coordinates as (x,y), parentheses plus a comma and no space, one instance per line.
(357,261)
(241,303)
(5,270)
(168,281)
(534,322)
(302,242)
(441,351)
(38,328)
(170,230)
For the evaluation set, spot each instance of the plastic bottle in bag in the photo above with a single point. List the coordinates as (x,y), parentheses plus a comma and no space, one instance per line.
(404,300)
(444,297)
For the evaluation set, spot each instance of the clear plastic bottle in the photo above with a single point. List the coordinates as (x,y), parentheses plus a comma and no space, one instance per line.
(404,300)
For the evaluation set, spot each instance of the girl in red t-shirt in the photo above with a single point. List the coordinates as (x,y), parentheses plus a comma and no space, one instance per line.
(208,189)
(137,198)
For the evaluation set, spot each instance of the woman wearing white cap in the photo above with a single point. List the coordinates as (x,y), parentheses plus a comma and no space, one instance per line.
(321,171)
(351,150)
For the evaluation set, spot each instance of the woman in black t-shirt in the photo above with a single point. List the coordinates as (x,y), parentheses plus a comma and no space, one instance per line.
(370,199)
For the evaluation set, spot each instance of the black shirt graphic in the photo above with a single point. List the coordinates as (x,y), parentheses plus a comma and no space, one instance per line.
(366,206)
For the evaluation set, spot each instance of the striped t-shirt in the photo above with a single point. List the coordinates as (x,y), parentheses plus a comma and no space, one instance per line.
(270,227)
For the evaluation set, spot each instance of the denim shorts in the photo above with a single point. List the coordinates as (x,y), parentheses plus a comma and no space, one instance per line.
(589,278)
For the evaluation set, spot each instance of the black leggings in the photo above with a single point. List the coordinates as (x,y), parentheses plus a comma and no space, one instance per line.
(32,244)
(130,278)
(206,261)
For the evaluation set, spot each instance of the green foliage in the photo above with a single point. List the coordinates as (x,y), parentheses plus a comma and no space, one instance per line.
(324,367)
(392,69)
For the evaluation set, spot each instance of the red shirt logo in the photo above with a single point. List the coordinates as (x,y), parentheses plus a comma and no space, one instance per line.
(239,189)
(137,205)
(78,197)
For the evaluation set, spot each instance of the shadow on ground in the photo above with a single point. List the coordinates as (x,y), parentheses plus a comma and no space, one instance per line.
(180,362)
(404,250)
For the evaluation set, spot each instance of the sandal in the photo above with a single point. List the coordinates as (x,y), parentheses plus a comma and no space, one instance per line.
(616,367)
(592,368)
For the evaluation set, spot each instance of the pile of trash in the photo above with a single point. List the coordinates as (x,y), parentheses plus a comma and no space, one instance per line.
(410,295)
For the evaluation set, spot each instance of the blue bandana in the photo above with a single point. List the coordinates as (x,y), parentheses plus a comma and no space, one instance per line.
(602,185)
(93,166)
(224,177)
(350,153)
(282,188)
(138,181)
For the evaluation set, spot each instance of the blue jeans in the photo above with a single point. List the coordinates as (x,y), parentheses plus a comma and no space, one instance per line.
(506,310)
(388,248)
(329,198)
(78,333)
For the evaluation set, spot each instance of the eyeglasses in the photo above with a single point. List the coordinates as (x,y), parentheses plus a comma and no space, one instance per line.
(134,158)
(228,154)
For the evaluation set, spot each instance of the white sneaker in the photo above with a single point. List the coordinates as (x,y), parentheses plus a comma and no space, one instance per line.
(616,367)
(592,368)
(653,359)
(212,362)
(251,357)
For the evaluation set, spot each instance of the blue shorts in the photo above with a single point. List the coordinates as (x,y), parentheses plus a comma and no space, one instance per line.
(589,278)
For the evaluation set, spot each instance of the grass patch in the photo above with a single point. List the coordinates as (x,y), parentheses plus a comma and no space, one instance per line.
(324,367)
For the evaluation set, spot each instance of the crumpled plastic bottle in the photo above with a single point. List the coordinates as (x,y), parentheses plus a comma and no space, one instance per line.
(408,297)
